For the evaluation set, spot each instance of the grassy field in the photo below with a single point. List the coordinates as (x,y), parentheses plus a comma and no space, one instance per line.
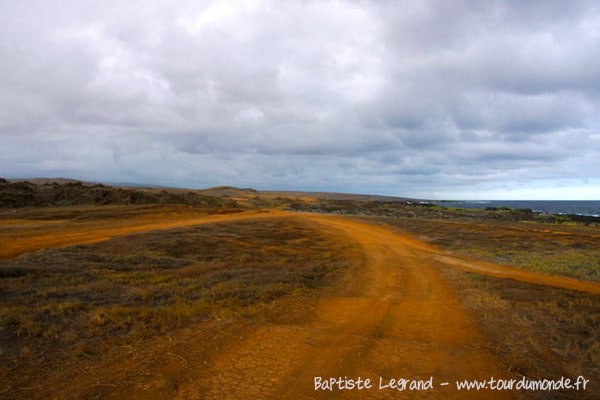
(539,332)
(103,320)
(564,249)
(63,309)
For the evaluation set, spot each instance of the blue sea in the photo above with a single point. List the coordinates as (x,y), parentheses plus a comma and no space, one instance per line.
(579,207)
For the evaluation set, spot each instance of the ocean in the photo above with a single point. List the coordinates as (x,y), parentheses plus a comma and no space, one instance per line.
(578,207)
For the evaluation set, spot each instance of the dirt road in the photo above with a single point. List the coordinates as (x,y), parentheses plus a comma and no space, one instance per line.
(400,320)
(20,236)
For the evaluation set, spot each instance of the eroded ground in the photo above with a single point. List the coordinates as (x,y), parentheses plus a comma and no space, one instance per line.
(255,305)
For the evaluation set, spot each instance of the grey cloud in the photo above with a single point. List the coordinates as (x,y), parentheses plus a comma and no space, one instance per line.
(384,96)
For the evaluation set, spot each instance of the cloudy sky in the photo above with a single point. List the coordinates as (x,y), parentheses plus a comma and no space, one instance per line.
(431,99)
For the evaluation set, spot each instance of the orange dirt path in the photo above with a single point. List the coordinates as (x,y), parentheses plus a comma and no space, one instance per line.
(401,320)
(20,236)
(491,269)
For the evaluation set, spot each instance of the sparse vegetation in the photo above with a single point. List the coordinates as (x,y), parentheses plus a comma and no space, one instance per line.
(569,250)
(25,194)
(124,307)
(540,332)
(430,211)
(76,304)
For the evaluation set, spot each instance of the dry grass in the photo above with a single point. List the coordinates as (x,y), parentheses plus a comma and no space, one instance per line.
(73,306)
(539,332)
(71,316)
(572,251)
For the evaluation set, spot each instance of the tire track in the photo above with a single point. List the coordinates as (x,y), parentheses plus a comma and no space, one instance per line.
(403,321)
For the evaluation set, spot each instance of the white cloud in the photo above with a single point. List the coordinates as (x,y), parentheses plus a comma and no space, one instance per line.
(396,97)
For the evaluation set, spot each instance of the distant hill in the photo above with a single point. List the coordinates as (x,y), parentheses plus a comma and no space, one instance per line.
(45,181)
(45,192)
(41,192)
(337,196)
(57,192)
(229,191)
